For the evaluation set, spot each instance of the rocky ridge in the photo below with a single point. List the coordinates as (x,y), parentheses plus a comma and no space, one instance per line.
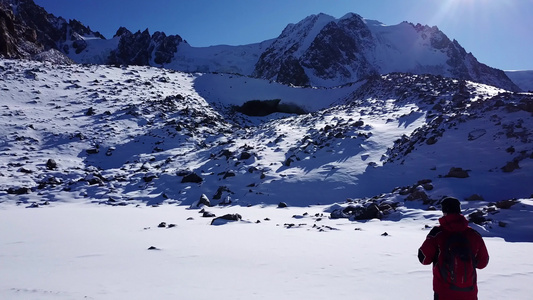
(319,51)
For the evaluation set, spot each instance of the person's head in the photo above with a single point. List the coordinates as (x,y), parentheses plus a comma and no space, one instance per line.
(451,205)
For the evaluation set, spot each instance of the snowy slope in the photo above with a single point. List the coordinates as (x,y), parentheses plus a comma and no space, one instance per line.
(123,140)
(133,134)
(524,79)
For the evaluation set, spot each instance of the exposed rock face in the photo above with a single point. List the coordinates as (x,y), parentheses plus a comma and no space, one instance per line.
(137,48)
(16,40)
(338,51)
(324,51)
(28,31)
(318,51)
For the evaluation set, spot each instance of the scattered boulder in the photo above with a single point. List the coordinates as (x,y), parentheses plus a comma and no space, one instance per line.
(229,174)
(371,211)
(149,177)
(432,140)
(475,197)
(207,214)
(477,217)
(192,178)
(506,204)
(204,201)
(51,164)
(18,191)
(417,195)
(510,166)
(220,190)
(457,173)
(90,112)
(92,150)
(282,205)
(245,155)
(226,218)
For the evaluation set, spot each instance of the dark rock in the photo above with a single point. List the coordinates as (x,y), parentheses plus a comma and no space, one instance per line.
(427,186)
(477,217)
(162,225)
(457,173)
(288,162)
(370,212)
(229,174)
(282,205)
(51,164)
(24,170)
(358,124)
(510,166)
(18,191)
(204,201)
(90,112)
(475,197)
(192,178)
(149,177)
(245,156)
(506,204)
(417,195)
(207,214)
(227,217)
(432,140)
(92,150)
(220,190)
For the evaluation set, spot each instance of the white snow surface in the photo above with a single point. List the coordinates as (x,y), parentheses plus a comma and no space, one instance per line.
(81,251)
(83,229)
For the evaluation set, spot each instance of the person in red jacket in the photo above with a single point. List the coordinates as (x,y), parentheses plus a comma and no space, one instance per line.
(454,275)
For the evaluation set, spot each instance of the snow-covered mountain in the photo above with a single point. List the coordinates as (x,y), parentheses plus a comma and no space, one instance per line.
(232,176)
(28,31)
(154,135)
(323,51)
(523,79)
(318,51)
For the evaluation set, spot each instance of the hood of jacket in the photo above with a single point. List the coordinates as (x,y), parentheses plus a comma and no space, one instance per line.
(453,222)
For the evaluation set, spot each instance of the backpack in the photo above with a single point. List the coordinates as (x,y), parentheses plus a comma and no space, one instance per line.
(458,266)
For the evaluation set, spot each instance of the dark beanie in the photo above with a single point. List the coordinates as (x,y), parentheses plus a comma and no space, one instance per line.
(451,205)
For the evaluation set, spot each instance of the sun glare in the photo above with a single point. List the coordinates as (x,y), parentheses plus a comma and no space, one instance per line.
(478,13)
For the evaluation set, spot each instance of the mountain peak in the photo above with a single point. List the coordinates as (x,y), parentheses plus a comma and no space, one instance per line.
(323,51)
(320,50)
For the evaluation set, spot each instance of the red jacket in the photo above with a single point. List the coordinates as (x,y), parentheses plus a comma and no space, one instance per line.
(430,252)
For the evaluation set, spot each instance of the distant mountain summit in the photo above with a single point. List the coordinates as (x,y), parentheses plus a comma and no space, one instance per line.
(28,31)
(319,51)
(323,51)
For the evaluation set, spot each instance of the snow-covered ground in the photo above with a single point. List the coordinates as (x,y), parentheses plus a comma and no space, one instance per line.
(124,139)
(85,251)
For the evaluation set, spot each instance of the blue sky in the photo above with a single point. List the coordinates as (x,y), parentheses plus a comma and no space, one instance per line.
(498,32)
